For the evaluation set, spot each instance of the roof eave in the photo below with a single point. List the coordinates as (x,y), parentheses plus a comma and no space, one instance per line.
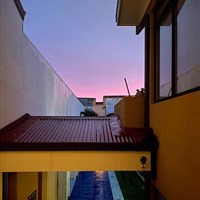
(20,8)
(77,147)
(130,12)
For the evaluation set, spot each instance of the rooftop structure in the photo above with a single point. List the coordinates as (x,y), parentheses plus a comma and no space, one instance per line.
(73,133)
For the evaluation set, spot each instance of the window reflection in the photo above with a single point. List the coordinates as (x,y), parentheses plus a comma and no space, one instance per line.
(188,44)
(165,55)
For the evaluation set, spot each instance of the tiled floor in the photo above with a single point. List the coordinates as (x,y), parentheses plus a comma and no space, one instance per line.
(93,185)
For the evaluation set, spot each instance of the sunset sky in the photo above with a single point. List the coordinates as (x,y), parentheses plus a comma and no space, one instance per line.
(81,41)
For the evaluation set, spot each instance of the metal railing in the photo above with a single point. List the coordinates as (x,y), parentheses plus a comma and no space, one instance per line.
(33,196)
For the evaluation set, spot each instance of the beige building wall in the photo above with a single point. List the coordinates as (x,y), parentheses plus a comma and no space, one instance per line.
(110,102)
(63,185)
(99,108)
(28,84)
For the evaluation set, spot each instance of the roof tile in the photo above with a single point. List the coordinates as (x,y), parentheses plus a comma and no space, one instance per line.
(70,133)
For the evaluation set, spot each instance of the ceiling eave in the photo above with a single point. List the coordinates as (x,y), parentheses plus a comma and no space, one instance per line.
(130,12)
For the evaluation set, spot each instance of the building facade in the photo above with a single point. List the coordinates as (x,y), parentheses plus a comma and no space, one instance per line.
(172,83)
(110,102)
(28,84)
(172,96)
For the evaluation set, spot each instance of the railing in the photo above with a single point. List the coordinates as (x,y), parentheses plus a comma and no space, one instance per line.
(159,195)
(33,196)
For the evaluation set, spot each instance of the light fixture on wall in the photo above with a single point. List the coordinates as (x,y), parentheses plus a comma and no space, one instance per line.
(143,161)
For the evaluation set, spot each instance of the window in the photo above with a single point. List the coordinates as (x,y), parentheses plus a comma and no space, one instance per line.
(165,46)
(188,46)
(177,49)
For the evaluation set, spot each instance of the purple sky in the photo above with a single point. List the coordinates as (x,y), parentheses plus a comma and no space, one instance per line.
(82,42)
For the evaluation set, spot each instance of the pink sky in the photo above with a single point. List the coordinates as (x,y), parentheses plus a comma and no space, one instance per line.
(82,42)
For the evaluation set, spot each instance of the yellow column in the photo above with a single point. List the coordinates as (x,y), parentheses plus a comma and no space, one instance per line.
(27,183)
(44,185)
(1,186)
(49,186)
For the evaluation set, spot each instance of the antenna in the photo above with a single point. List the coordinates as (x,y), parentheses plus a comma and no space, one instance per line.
(127,87)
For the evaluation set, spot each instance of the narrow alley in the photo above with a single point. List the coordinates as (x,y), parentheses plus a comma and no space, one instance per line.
(92,185)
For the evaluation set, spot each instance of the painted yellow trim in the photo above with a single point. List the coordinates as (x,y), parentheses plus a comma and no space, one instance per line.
(72,161)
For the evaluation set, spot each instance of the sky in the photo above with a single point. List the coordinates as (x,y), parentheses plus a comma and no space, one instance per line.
(82,42)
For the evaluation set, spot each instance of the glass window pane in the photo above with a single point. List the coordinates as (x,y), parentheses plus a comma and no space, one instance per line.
(165,61)
(188,44)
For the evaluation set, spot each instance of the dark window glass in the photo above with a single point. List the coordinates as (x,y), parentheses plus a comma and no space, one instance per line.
(177,49)
(165,60)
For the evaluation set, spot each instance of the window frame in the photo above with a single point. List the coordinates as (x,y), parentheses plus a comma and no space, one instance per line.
(160,11)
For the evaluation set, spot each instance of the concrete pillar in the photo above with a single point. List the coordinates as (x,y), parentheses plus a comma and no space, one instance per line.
(62,185)
(49,186)
(68,184)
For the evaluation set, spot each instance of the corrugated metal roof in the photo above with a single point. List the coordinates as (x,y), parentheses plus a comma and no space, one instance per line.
(70,133)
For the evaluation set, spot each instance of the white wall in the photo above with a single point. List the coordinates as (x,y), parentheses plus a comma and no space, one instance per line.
(28,84)
(110,103)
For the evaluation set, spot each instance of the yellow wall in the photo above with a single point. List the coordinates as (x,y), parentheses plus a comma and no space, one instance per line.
(176,122)
(1,186)
(72,161)
(131,111)
(44,186)
(49,185)
(27,183)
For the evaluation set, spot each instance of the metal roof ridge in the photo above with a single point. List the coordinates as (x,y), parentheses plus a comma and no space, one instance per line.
(15,123)
(71,117)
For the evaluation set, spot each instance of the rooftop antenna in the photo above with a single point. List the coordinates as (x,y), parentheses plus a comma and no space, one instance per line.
(127,87)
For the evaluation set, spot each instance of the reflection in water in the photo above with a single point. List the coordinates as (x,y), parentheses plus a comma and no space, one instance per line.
(93,185)
(100,173)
